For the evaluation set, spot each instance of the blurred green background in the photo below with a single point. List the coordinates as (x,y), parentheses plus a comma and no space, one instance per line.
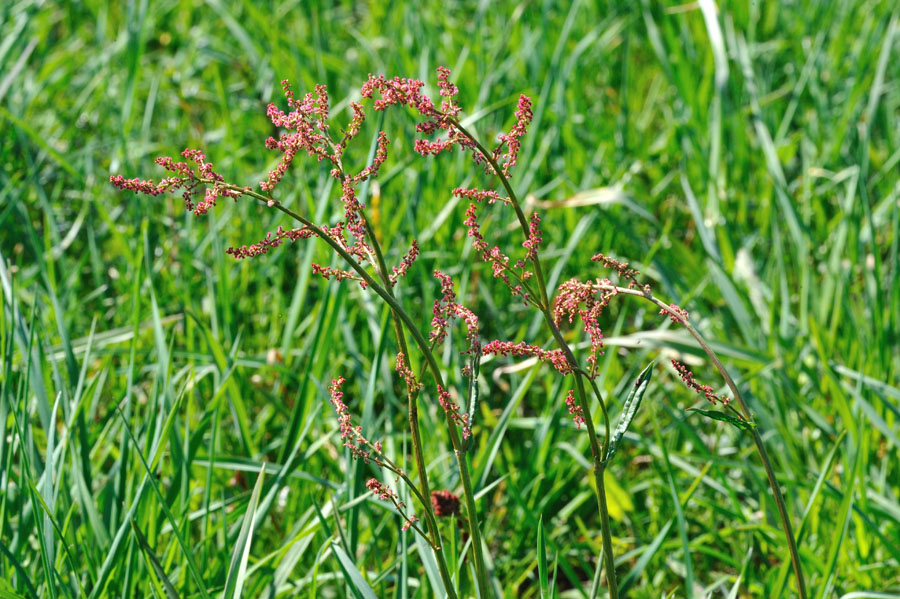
(745,159)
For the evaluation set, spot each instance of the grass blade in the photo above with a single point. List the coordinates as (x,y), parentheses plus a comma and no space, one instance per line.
(237,570)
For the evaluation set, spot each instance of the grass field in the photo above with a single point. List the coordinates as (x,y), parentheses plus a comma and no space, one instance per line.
(745,159)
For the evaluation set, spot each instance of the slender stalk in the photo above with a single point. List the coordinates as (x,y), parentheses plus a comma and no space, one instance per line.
(597,454)
(413,416)
(423,346)
(748,416)
(471,512)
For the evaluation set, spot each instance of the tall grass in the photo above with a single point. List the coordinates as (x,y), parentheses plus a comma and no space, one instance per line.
(746,158)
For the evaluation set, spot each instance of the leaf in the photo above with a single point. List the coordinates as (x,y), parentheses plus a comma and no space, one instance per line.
(717,415)
(237,570)
(630,408)
(542,559)
(356,578)
(171,592)
(431,568)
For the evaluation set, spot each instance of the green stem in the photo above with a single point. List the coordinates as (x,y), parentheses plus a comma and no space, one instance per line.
(412,396)
(433,366)
(610,567)
(544,306)
(748,416)
(471,512)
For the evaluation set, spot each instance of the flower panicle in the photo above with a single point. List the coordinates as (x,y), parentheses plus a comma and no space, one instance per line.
(401,91)
(405,263)
(534,236)
(329,272)
(574,409)
(451,408)
(354,440)
(575,298)
(385,493)
(555,357)
(623,270)
(447,308)
(187,178)
(512,140)
(499,262)
(687,377)
(407,374)
(479,195)
(269,242)
(676,313)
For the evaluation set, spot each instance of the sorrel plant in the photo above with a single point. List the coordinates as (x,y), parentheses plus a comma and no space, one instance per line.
(307,129)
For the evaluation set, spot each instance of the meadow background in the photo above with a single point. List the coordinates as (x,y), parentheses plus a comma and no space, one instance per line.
(746,160)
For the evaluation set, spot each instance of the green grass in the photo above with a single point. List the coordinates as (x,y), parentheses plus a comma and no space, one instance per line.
(747,163)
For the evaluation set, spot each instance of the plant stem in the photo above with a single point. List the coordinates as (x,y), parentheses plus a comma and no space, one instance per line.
(424,347)
(414,426)
(745,410)
(598,465)
(412,396)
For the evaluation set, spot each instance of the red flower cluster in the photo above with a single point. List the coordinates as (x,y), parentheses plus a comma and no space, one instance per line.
(270,242)
(445,504)
(452,410)
(678,314)
(381,490)
(408,92)
(447,308)
(406,374)
(385,493)
(352,435)
(575,297)
(688,378)
(411,255)
(328,272)
(512,139)
(186,179)
(479,195)
(555,357)
(497,259)
(574,409)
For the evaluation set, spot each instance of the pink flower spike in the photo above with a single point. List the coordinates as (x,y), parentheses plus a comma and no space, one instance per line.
(574,409)
(381,490)
(507,348)
(534,236)
(327,272)
(687,378)
(582,299)
(479,195)
(400,271)
(447,308)
(351,435)
(676,313)
(406,374)
(270,242)
(512,140)
(136,185)
(452,411)
(409,521)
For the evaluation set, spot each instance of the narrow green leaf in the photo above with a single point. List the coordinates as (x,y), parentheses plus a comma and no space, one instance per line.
(430,564)
(630,408)
(237,570)
(722,416)
(171,593)
(542,559)
(356,578)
